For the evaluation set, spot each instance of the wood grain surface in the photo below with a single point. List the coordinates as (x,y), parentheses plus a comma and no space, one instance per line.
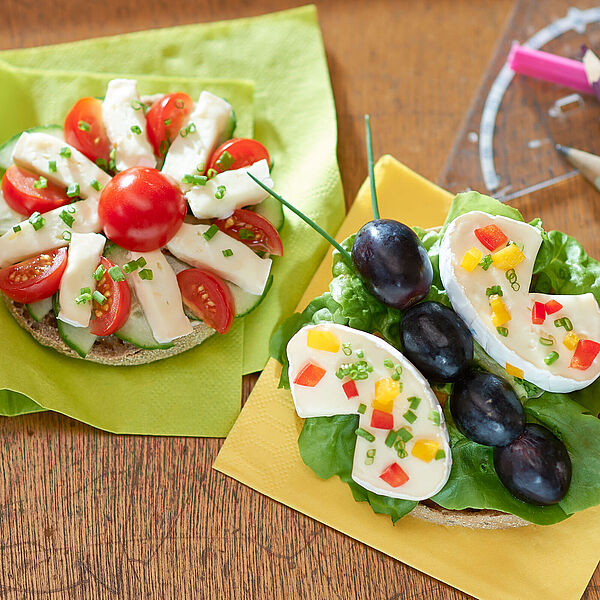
(89,515)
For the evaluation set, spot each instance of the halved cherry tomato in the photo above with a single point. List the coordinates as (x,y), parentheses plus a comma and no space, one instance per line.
(21,194)
(243,152)
(84,129)
(208,297)
(165,118)
(35,278)
(140,209)
(253,230)
(112,315)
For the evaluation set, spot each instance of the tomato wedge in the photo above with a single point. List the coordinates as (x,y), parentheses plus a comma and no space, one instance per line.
(26,192)
(84,129)
(165,118)
(253,230)
(241,152)
(112,315)
(35,278)
(208,297)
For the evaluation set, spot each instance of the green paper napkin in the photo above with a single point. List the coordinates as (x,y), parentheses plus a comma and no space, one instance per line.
(294,117)
(178,396)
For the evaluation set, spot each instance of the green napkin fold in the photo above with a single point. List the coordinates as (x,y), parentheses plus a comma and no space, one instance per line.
(294,117)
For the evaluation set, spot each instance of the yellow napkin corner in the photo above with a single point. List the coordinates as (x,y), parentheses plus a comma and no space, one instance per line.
(529,563)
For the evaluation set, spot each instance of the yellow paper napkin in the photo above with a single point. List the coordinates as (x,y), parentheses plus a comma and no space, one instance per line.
(530,563)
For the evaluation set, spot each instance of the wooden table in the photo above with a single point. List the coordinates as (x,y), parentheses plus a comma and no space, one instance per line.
(86,514)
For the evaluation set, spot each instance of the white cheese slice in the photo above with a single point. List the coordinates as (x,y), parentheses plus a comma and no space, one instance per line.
(243,267)
(8,216)
(85,250)
(328,398)
(123,122)
(237,190)
(210,119)
(521,348)
(160,297)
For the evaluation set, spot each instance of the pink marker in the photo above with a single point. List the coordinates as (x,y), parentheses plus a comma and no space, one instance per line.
(549,67)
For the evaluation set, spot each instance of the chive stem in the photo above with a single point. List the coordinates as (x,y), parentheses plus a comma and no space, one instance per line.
(306,219)
(371,165)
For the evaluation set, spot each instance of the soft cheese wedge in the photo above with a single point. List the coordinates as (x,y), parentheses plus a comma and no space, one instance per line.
(402,448)
(537,337)
(8,216)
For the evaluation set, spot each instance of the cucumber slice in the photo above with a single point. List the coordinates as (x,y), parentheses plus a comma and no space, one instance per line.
(7,149)
(228,133)
(77,338)
(38,310)
(136,330)
(271,209)
(244,302)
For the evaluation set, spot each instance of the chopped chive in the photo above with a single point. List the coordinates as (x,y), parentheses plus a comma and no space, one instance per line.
(200,167)
(246,234)
(141,262)
(365,434)
(17,228)
(209,234)
(220,192)
(113,154)
(137,105)
(99,272)
(347,349)
(85,290)
(99,297)
(191,127)
(414,402)
(360,353)
(391,438)
(83,125)
(66,236)
(495,290)
(564,322)
(405,434)
(52,166)
(396,376)
(227,252)
(116,274)
(502,331)
(131,266)
(83,297)
(399,448)
(163,148)
(440,454)
(37,221)
(434,417)
(225,161)
(73,190)
(410,416)
(71,209)
(179,103)
(67,218)
(65,152)
(211,173)
(136,129)
(96,184)
(485,262)
(546,341)
(101,162)
(388,363)
(551,358)
(362,408)
(194,179)
(41,183)
(369,460)
(167,122)
(146,274)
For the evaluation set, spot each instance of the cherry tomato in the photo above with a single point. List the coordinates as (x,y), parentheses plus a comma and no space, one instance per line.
(84,129)
(253,230)
(112,315)
(140,209)
(21,194)
(165,118)
(208,297)
(35,278)
(243,151)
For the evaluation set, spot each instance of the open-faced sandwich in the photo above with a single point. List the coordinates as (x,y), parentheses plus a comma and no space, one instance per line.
(453,374)
(134,232)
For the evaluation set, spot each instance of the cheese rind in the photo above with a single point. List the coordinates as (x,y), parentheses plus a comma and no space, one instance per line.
(243,267)
(122,121)
(160,297)
(85,250)
(237,190)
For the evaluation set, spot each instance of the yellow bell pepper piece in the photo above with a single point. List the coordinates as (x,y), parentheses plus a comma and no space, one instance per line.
(319,339)
(471,259)
(514,371)
(500,314)
(571,340)
(425,450)
(385,391)
(508,258)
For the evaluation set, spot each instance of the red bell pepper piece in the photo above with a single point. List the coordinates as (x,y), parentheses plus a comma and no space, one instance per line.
(382,420)
(394,475)
(310,375)
(585,353)
(552,306)
(491,236)
(538,313)
(350,389)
